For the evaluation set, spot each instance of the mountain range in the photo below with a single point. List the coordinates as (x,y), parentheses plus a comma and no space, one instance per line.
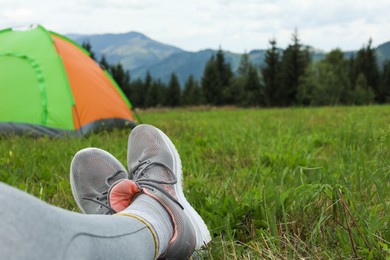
(139,54)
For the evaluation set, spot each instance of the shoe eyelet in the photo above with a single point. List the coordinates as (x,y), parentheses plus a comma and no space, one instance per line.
(100,207)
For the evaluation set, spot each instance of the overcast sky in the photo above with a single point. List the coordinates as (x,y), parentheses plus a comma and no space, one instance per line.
(193,25)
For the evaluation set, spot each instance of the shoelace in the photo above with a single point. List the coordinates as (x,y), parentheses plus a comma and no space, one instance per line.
(146,182)
(150,183)
(101,199)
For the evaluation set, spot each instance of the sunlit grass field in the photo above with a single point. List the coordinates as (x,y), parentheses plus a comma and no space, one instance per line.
(311,183)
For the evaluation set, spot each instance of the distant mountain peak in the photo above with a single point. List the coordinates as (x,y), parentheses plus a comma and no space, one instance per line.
(140,54)
(386,44)
(132,49)
(130,34)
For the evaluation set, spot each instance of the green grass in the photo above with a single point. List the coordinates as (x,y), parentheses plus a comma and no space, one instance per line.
(269,183)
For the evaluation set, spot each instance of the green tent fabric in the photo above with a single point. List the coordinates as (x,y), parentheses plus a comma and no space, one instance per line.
(49,86)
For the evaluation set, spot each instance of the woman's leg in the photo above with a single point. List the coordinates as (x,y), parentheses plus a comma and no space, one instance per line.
(33,229)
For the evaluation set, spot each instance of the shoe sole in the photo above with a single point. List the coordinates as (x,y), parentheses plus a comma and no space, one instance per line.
(201,230)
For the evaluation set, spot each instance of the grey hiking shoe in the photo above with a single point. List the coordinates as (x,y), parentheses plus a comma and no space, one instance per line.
(156,168)
(92,172)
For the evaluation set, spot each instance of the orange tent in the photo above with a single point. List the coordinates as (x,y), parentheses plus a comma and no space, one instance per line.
(50,85)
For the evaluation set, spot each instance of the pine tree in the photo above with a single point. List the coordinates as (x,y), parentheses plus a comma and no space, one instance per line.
(173,93)
(155,95)
(225,73)
(198,95)
(271,73)
(244,89)
(366,64)
(121,76)
(104,63)
(88,47)
(244,65)
(384,89)
(152,99)
(135,93)
(294,61)
(191,94)
(253,89)
(363,93)
(145,89)
(211,82)
(161,90)
(233,94)
(309,85)
(352,71)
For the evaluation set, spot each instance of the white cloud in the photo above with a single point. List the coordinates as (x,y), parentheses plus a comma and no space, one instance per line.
(194,25)
(18,14)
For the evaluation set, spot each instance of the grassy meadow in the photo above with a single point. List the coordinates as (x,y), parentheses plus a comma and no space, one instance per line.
(302,183)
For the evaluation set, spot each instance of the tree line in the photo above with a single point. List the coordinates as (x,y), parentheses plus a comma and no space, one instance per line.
(287,78)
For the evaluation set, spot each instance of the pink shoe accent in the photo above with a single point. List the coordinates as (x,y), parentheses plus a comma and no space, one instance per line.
(122,194)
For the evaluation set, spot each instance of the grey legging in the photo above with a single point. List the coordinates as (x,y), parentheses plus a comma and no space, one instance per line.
(33,229)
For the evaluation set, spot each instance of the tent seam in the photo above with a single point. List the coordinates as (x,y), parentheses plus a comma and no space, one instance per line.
(40,78)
